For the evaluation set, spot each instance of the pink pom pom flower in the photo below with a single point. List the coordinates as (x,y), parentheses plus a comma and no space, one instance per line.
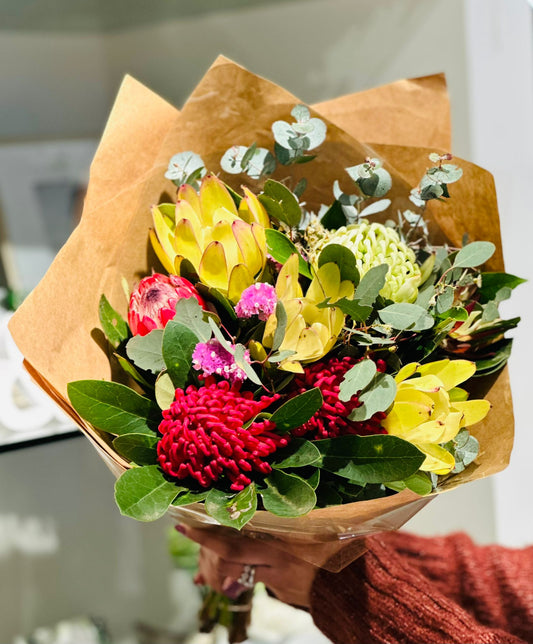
(153,302)
(213,359)
(258,299)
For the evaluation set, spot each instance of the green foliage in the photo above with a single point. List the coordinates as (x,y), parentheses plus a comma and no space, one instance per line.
(492,283)
(165,390)
(190,314)
(289,210)
(281,326)
(113,407)
(230,508)
(297,411)
(113,324)
(370,459)
(137,448)
(356,379)
(281,248)
(403,316)
(178,344)
(255,162)
(146,351)
(474,254)
(185,167)
(377,396)
(298,453)
(293,140)
(372,179)
(287,495)
(345,260)
(144,494)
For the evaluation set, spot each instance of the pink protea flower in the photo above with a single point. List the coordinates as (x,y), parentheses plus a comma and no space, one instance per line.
(331,419)
(203,435)
(258,299)
(213,359)
(153,302)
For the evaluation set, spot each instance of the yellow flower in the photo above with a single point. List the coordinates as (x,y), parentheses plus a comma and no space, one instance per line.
(429,409)
(227,251)
(311,332)
(374,244)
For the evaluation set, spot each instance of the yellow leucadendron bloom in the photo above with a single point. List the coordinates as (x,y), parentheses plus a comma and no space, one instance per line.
(311,332)
(226,247)
(429,409)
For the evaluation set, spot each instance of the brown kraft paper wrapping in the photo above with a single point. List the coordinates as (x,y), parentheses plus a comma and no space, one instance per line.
(402,123)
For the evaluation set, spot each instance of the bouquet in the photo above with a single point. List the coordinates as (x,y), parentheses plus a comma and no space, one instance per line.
(265,324)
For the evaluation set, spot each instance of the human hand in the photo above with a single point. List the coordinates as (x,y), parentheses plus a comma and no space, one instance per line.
(226,557)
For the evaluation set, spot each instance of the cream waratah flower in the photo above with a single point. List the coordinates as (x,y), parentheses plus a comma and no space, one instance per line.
(311,331)
(374,244)
(427,412)
(226,247)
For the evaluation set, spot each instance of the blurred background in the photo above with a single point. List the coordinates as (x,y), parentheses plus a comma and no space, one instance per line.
(66,555)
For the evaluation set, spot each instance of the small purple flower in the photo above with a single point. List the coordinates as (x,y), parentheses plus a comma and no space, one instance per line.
(213,359)
(258,299)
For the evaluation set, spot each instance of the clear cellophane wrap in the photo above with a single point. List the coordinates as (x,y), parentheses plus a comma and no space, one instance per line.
(57,327)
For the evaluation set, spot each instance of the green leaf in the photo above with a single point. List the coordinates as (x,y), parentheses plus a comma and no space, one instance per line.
(345,260)
(455,313)
(299,453)
(138,448)
(231,509)
(379,396)
(474,254)
(292,212)
(187,497)
(300,187)
(273,208)
(297,411)
(190,314)
(419,483)
(144,494)
(165,391)
(281,326)
(281,355)
(353,308)
(131,370)
(370,459)
(281,248)
(356,379)
(424,296)
(112,323)
(491,283)
(403,316)
(146,352)
(113,407)
(287,495)
(445,300)
(334,217)
(240,361)
(371,284)
(178,344)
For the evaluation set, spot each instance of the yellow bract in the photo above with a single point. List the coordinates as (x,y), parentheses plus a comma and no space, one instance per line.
(311,332)
(429,409)
(226,247)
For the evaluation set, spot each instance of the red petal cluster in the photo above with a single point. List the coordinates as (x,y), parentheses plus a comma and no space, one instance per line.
(204,436)
(153,302)
(331,419)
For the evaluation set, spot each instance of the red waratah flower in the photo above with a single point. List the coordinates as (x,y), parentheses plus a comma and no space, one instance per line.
(204,436)
(153,302)
(331,419)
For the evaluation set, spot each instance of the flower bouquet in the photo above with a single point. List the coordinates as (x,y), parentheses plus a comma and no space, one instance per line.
(283,330)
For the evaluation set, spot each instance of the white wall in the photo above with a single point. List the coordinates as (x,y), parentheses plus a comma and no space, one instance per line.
(56,85)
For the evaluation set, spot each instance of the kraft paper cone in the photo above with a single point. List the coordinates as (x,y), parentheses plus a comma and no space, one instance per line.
(405,121)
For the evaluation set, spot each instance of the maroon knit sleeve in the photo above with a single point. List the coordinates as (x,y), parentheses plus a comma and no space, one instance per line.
(411,590)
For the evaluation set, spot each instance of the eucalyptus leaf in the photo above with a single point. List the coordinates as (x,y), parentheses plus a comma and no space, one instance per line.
(370,459)
(144,494)
(281,248)
(334,217)
(404,316)
(138,448)
(146,351)
(190,314)
(379,396)
(184,164)
(297,411)
(178,345)
(113,324)
(243,364)
(353,308)
(287,495)
(474,254)
(113,407)
(356,379)
(232,509)
(281,326)
(371,284)
(445,300)
(292,212)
